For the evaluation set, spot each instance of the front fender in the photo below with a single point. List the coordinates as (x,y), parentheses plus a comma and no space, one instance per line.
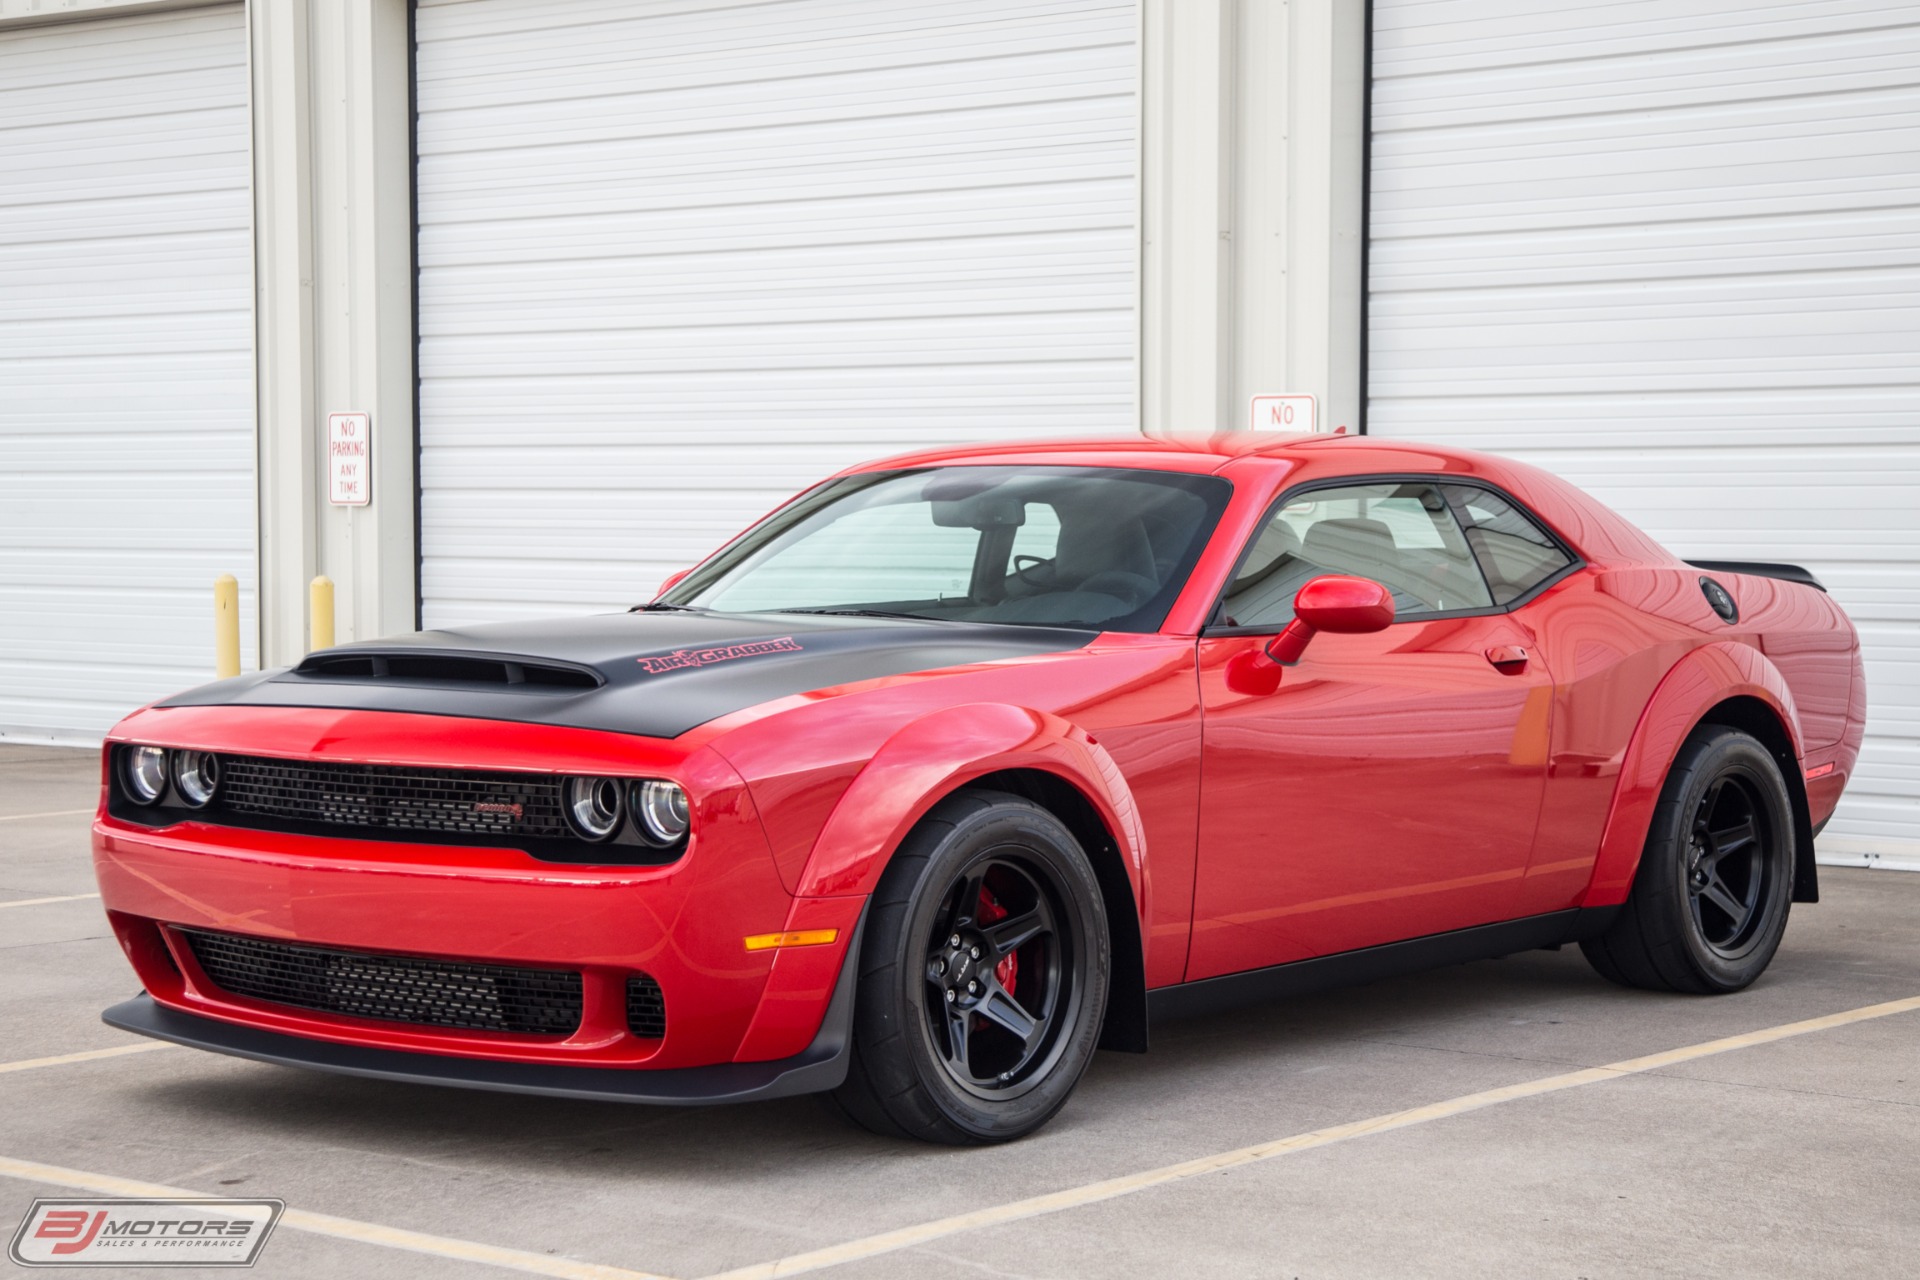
(1701,680)
(937,754)
(913,769)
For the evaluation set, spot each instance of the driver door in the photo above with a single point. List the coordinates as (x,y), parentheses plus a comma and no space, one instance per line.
(1389,787)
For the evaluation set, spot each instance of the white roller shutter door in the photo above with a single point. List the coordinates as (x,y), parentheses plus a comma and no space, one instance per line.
(1670,249)
(126,370)
(678,259)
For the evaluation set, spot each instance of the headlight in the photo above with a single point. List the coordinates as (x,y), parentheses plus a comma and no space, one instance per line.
(196,774)
(662,807)
(594,807)
(146,773)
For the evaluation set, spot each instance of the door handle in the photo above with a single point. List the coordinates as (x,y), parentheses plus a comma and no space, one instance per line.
(1508,659)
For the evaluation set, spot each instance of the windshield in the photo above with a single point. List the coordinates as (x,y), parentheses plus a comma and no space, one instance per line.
(1098,547)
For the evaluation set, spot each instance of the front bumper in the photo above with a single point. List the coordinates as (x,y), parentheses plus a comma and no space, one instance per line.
(821,1066)
(683,925)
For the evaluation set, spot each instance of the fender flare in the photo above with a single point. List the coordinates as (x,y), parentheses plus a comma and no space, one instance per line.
(1700,681)
(936,755)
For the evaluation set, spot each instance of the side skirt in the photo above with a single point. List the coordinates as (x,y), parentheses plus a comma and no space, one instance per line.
(1350,968)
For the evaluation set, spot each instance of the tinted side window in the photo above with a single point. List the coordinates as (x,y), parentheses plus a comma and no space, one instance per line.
(1403,536)
(1515,552)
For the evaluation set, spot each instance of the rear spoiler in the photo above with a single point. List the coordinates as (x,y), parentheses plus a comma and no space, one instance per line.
(1761,569)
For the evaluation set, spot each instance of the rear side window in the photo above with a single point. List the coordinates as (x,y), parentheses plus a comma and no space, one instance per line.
(1513,550)
(1402,535)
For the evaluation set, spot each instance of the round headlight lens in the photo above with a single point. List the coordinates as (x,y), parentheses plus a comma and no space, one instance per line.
(593,807)
(146,773)
(196,775)
(663,811)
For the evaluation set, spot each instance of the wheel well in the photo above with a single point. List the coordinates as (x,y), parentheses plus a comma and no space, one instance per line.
(1125,1024)
(1752,716)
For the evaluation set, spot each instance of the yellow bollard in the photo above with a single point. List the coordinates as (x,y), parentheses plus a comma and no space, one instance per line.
(320,606)
(226,627)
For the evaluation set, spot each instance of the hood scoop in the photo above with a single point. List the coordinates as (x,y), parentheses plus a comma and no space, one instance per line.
(464,668)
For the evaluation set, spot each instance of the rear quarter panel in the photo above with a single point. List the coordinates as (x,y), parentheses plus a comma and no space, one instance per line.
(1639,658)
(1607,654)
(1810,639)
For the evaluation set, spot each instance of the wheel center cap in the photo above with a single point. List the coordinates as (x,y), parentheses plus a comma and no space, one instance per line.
(966,966)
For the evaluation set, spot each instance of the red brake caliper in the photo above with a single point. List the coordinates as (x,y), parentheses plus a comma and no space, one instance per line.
(1008,970)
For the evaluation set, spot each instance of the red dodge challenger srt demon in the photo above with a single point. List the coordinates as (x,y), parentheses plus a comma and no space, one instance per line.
(962,765)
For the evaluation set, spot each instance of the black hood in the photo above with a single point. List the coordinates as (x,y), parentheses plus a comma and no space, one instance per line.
(657,674)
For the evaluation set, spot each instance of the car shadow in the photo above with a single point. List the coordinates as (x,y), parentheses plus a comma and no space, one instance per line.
(566,1138)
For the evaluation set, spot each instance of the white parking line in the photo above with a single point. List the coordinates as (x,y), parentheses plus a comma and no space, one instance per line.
(35,902)
(90,1055)
(54,813)
(1036,1206)
(322,1224)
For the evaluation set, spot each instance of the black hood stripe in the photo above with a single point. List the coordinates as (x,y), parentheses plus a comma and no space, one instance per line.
(662,673)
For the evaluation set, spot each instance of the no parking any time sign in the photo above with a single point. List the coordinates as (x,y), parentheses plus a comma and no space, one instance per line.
(349,459)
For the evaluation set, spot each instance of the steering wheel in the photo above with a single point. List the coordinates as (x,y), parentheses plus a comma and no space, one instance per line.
(1026,568)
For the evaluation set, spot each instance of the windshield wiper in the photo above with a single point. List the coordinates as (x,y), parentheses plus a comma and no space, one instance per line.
(660,606)
(864,613)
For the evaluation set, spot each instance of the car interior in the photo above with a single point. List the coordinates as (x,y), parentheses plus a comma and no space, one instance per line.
(1110,548)
(1102,548)
(1403,536)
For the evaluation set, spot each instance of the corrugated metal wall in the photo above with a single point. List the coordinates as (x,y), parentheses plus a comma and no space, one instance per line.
(1670,249)
(677,262)
(126,362)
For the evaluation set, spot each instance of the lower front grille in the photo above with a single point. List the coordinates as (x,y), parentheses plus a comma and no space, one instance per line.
(434,993)
(646,1007)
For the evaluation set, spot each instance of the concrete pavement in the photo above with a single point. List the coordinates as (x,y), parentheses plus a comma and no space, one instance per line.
(1800,1157)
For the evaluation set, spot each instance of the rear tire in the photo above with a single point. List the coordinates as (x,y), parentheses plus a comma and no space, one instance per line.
(983,977)
(1710,900)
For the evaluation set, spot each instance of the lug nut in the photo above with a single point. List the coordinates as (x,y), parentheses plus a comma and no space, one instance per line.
(939,966)
(951,996)
(954,940)
(974,952)
(973,988)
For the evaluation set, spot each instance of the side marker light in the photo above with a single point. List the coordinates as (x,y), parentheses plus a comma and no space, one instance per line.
(792,938)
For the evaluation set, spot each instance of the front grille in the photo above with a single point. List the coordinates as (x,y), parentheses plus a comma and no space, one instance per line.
(434,993)
(391,798)
(646,1008)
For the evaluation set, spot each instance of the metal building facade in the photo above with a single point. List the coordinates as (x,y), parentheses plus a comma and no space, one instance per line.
(676,258)
(677,262)
(126,361)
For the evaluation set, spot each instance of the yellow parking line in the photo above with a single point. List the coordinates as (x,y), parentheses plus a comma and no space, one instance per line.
(323,1224)
(35,902)
(1036,1206)
(53,813)
(28,1064)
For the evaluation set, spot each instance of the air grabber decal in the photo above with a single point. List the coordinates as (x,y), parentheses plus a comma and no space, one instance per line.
(681,659)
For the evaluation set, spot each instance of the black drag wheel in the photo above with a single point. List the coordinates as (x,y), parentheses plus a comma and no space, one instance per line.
(1709,903)
(983,976)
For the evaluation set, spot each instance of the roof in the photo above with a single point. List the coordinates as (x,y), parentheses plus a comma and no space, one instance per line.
(1173,453)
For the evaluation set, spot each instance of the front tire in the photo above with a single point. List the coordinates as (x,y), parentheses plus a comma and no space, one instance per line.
(983,976)
(1710,900)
